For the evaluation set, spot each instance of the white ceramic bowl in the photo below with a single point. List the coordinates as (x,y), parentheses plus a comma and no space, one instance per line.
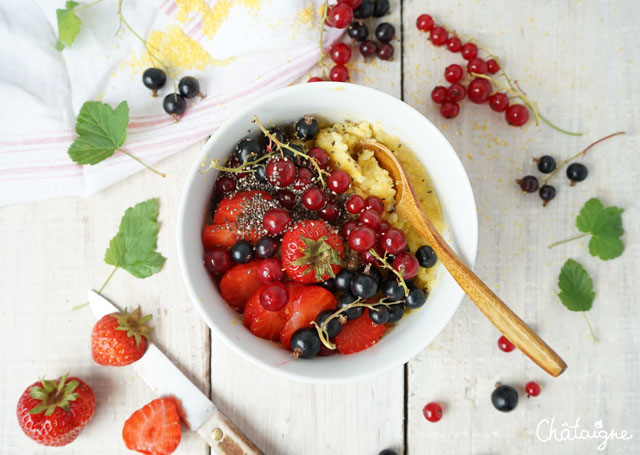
(333,102)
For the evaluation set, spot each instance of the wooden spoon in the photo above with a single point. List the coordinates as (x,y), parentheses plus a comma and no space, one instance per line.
(506,321)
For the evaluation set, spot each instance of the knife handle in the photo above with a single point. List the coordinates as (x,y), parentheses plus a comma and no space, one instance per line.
(224,438)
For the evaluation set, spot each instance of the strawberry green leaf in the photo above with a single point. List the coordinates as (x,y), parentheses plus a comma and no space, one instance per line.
(576,287)
(68,25)
(605,226)
(101,130)
(134,246)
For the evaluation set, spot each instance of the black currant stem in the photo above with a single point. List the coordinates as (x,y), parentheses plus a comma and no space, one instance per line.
(583,152)
(282,145)
(79,307)
(567,240)
(386,265)
(161,174)
(593,334)
(87,5)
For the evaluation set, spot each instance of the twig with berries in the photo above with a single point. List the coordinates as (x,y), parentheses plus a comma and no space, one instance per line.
(385,264)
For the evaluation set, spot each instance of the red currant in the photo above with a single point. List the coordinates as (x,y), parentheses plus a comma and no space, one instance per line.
(516,115)
(499,102)
(432,412)
(276,221)
(321,156)
(340,15)
(355,204)
(368,48)
(439,94)
(329,212)
(270,270)
(339,73)
(340,53)
(313,199)
(453,73)
(479,90)
(438,35)
(385,51)
(286,198)
(449,109)
(384,225)
(469,51)
(370,258)
(370,218)
(424,22)
(225,184)
(456,92)
(505,345)
(393,241)
(347,228)
(353,4)
(218,260)
(315,79)
(454,44)
(362,239)
(532,389)
(274,297)
(407,264)
(280,172)
(477,65)
(373,202)
(304,178)
(493,66)
(338,181)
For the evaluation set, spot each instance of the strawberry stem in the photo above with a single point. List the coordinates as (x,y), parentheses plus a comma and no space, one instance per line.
(161,174)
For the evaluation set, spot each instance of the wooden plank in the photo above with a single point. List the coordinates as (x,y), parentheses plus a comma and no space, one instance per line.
(574,58)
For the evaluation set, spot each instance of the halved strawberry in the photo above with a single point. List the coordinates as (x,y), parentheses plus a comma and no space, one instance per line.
(306,306)
(219,235)
(264,323)
(239,283)
(228,210)
(359,334)
(153,429)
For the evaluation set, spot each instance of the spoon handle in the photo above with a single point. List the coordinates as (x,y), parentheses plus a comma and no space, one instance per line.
(500,315)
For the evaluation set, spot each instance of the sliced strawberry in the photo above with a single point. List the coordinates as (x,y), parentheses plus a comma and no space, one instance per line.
(359,334)
(310,301)
(228,210)
(264,323)
(239,283)
(153,429)
(219,235)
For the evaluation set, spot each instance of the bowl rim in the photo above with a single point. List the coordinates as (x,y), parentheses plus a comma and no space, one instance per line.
(471,231)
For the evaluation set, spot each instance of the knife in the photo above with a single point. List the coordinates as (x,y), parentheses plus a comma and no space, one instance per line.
(198,412)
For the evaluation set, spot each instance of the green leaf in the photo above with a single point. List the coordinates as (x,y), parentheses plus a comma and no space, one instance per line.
(576,287)
(101,130)
(605,226)
(68,25)
(134,246)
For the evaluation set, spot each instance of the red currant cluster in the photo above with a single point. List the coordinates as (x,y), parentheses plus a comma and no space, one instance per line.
(341,15)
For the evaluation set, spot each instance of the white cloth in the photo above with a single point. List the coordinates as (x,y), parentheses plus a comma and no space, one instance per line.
(266,44)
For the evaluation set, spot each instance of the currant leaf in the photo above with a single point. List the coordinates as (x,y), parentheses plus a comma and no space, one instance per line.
(68,25)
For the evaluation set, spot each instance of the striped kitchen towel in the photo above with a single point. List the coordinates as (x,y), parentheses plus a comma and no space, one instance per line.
(238,49)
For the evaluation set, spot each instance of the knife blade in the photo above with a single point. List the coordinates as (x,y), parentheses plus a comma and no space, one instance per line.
(165,379)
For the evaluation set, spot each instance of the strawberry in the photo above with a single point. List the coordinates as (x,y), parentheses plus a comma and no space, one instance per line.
(153,429)
(311,252)
(239,283)
(229,210)
(53,412)
(120,338)
(359,334)
(219,235)
(306,305)
(268,324)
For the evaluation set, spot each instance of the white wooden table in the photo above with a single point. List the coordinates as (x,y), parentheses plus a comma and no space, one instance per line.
(579,60)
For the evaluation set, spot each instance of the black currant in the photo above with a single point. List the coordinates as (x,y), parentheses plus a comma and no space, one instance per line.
(154,79)
(329,285)
(427,258)
(307,128)
(305,343)
(385,31)
(358,31)
(547,192)
(380,315)
(528,183)
(504,398)
(364,286)
(396,312)
(348,298)
(546,164)
(275,132)
(261,174)
(189,87)
(266,247)
(247,150)
(343,280)
(333,327)
(297,159)
(577,172)
(363,11)
(174,105)
(373,271)
(380,8)
(242,252)
(388,452)
(415,299)
(392,289)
